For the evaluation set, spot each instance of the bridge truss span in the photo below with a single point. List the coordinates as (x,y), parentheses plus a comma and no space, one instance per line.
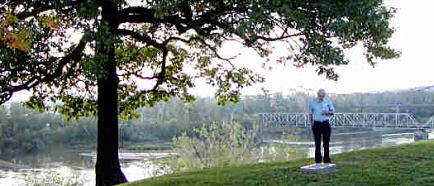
(379,120)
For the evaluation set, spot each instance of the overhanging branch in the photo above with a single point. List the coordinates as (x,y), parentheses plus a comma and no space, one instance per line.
(75,55)
(141,37)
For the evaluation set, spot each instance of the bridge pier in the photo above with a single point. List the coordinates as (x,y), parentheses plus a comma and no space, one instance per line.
(421,134)
(431,134)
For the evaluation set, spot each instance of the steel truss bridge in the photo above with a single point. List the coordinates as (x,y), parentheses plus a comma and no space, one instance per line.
(367,120)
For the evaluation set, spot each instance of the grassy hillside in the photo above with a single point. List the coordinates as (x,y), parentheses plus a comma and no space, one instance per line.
(411,164)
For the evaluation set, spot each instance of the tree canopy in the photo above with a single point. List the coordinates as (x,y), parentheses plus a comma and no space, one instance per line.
(47,45)
(108,57)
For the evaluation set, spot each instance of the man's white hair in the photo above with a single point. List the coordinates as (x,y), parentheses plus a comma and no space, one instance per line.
(321,90)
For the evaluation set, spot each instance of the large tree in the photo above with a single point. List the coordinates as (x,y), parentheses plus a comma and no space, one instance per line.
(108,57)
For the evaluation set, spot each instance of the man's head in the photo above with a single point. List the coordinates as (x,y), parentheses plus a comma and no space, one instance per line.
(321,94)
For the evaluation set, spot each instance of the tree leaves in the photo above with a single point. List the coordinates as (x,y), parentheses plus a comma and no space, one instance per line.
(162,46)
(87,9)
(10,18)
(20,40)
(49,22)
(16,39)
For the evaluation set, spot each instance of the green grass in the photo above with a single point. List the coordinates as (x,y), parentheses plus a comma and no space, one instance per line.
(411,164)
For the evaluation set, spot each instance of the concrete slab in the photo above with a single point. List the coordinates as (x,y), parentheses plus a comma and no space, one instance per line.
(318,168)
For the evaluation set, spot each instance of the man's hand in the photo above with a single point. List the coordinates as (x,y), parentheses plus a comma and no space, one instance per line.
(327,112)
(311,120)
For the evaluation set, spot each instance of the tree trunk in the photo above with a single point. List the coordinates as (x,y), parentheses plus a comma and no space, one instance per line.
(108,171)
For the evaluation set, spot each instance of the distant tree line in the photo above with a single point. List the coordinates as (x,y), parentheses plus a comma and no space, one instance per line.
(25,130)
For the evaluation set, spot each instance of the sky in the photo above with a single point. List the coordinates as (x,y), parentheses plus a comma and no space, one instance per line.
(413,37)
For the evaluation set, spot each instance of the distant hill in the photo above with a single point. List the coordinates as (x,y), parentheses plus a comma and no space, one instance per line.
(422,88)
(414,89)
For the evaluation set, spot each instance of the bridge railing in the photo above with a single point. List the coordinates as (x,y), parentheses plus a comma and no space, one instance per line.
(430,122)
(381,120)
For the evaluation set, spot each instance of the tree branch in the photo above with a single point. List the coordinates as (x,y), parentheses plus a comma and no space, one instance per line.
(136,74)
(141,37)
(75,55)
(162,74)
(212,48)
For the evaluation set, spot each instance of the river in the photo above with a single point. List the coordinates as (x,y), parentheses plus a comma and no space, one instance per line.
(72,165)
(77,167)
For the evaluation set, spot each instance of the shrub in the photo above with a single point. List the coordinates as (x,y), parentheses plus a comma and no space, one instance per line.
(224,144)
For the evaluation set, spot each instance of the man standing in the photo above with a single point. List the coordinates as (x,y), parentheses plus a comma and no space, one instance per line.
(320,110)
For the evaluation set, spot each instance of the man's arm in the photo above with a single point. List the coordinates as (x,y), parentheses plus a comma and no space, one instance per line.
(310,111)
(331,108)
(311,120)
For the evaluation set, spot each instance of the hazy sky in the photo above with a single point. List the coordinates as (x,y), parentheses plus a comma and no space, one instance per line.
(413,37)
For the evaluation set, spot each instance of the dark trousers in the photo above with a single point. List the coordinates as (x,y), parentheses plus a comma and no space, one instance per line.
(321,129)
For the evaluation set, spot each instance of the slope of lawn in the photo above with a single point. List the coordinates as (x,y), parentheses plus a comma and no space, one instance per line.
(410,164)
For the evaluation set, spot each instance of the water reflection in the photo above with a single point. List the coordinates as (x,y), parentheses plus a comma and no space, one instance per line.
(79,167)
(345,142)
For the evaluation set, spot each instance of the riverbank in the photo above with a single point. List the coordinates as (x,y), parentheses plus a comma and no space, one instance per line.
(410,164)
(8,165)
(129,146)
(148,146)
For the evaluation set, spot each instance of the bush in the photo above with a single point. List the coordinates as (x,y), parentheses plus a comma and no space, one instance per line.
(223,144)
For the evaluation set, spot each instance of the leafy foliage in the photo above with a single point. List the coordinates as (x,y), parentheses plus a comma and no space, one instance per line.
(221,145)
(23,130)
(50,47)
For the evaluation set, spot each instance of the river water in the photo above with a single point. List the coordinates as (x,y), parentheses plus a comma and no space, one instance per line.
(78,166)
